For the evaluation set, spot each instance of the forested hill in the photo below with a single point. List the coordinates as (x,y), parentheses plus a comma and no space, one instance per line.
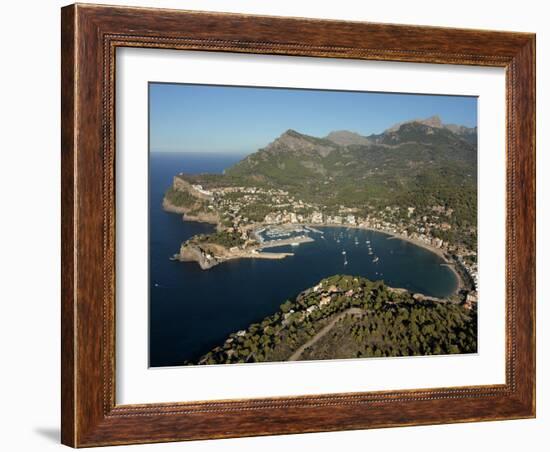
(420,163)
(351,317)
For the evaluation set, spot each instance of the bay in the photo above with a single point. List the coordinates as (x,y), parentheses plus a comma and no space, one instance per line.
(191,310)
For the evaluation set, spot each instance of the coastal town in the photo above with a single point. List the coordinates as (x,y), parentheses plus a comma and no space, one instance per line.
(256,218)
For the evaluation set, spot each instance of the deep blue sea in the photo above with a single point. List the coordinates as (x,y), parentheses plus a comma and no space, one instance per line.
(192,310)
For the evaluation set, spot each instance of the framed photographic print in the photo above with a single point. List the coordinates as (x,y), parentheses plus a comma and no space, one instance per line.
(282,225)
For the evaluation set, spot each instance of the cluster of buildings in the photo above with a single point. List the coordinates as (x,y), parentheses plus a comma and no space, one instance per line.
(283,208)
(201,190)
(370,221)
(326,294)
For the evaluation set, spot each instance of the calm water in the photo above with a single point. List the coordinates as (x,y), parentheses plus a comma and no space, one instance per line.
(192,310)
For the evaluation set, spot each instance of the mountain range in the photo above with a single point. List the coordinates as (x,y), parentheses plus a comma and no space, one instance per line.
(419,159)
(423,163)
(417,143)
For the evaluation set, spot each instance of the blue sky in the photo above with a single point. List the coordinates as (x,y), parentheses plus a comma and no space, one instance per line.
(201,118)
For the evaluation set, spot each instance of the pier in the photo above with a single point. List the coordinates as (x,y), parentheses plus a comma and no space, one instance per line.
(284,242)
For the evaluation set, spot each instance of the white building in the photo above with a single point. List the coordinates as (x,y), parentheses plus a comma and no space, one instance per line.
(317,217)
(201,190)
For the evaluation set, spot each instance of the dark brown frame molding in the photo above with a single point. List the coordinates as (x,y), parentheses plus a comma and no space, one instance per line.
(90,35)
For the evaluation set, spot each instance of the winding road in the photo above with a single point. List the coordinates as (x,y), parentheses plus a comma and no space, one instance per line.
(351,311)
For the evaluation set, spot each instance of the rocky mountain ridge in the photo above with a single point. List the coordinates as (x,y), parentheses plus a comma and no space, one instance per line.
(302,144)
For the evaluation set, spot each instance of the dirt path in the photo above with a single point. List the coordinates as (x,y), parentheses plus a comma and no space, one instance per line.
(351,311)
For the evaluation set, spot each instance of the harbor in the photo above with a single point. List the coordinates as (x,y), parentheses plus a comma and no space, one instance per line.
(283,235)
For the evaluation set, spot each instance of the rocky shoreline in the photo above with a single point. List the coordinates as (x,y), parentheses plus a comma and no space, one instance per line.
(167,206)
(212,255)
(200,217)
(207,260)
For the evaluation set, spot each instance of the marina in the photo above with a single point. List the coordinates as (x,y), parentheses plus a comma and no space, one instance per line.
(281,235)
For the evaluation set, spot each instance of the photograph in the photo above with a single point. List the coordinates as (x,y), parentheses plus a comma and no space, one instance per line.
(294,224)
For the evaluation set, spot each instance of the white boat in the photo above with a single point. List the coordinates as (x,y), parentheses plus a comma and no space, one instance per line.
(344,252)
(376,259)
(294,244)
(345,262)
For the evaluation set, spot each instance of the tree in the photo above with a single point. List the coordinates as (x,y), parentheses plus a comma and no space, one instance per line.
(286,306)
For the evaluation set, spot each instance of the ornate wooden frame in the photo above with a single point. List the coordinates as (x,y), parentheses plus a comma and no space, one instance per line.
(90,35)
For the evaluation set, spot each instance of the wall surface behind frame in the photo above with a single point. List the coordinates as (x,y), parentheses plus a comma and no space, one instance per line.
(29,260)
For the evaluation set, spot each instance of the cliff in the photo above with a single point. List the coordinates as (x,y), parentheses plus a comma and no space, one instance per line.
(209,254)
(182,198)
(169,206)
(180,184)
(202,217)
(195,253)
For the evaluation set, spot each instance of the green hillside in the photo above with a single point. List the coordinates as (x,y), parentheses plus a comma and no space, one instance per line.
(351,317)
(421,166)
(416,166)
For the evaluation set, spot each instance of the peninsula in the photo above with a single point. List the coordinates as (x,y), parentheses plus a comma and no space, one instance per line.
(351,317)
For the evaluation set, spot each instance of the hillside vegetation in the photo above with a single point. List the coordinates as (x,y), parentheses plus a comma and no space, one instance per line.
(352,317)
(419,164)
